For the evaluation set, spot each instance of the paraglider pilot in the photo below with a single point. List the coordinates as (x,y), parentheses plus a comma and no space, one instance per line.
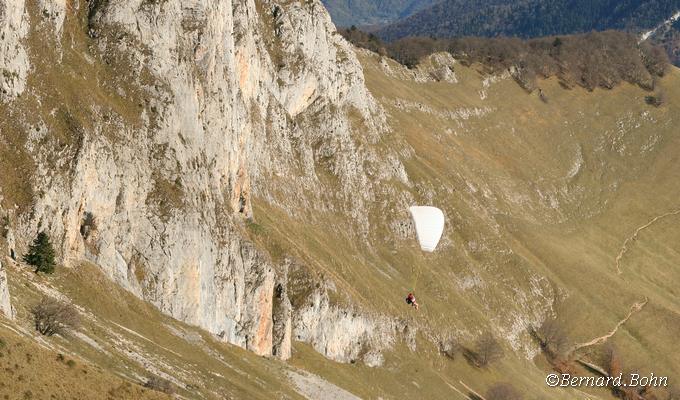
(411,299)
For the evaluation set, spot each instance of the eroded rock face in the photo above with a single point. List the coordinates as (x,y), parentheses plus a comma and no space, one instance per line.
(282,317)
(14,63)
(341,334)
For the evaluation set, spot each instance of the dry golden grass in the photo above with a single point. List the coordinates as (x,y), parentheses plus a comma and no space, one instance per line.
(125,331)
(30,371)
(516,156)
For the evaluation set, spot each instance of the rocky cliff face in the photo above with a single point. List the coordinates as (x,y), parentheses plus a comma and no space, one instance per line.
(13,57)
(189,109)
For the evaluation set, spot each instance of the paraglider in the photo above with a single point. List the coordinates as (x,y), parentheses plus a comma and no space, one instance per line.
(429,224)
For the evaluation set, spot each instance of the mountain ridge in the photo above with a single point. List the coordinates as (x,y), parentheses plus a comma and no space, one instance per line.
(346,13)
(535,18)
(529,18)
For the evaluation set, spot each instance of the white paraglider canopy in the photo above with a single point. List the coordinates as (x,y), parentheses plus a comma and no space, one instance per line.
(429,223)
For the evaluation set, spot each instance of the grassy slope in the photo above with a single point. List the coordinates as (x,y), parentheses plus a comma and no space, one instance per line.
(508,233)
(133,340)
(29,371)
(579,253)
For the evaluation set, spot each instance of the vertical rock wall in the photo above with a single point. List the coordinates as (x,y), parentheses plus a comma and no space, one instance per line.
(217,98)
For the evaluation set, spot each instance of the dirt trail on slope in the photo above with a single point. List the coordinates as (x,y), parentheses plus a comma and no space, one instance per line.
(635,308)
(634,236)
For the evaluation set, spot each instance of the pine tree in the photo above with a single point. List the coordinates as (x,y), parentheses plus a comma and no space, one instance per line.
(41,254)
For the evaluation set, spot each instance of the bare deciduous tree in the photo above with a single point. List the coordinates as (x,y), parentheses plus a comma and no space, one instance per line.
(52,317)
(450,348)
(611,360)
(590,60)
(486,350)
(553,337)
(159,384)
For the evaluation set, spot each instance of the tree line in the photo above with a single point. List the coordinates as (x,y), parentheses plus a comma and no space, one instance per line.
(591,60)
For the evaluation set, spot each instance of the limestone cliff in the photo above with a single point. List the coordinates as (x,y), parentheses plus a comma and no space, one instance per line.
(205,104)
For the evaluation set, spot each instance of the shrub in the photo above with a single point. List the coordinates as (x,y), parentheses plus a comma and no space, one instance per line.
(88,225)
(41,254)
(655,101)
(564,366)
(628,392)
(52,317)
(159,384)
(552,337)
(450,348)
(486,351)
(410,51)
(503,391)
(364,40)
(71,363)
(254,227)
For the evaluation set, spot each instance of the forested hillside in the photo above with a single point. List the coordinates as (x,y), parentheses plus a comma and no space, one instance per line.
(538,18)
(591,60)
(371,12)
(531,18)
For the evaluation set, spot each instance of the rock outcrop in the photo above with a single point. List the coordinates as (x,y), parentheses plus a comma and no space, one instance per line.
(5,305)
(343,335)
